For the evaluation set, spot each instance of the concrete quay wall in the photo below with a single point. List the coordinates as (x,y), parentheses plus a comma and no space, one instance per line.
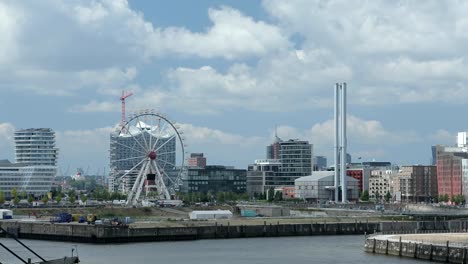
(120,234)
(418,250)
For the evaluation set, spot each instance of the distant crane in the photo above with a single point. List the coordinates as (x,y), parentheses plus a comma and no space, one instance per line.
(124,96)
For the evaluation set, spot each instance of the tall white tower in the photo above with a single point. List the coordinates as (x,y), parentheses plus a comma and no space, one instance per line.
(340,142)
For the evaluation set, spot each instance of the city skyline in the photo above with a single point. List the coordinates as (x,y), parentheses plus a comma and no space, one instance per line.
(229,72)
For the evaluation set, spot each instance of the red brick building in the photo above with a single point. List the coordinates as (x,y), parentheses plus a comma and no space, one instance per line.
(197,160)
(362,175)
(449,170)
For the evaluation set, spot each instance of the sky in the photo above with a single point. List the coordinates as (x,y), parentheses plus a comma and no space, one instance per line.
(230,72)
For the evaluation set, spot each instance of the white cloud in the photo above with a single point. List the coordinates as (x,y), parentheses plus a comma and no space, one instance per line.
(80,148)
(284,82)
(362,132)
(210,136)
(11,20)
(98,43)
(7,141)
(233,35)
(443,137)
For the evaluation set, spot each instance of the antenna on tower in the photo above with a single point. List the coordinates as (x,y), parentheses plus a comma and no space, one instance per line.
(124,96)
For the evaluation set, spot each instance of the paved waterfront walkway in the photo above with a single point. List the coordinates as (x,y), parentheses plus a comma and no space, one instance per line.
(434,238)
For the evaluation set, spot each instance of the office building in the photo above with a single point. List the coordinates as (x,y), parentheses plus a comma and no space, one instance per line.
(295,157)
(36,146)
(36,163)
(362,171)
(285,162)
(196,160)
(262,175)
(381,182)
(416,183)
(320,163)
(213,179)
(450,173)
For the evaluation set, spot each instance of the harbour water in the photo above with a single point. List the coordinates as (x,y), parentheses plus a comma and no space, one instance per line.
(310,249)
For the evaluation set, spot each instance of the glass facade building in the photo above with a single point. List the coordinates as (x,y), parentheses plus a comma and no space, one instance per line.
(289,160)
(214,179)
(36,163)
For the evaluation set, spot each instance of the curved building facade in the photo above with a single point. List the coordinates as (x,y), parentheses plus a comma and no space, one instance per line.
(36,146)
(36,163)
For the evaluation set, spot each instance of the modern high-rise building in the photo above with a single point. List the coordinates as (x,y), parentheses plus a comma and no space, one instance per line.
(291,159)
(36,146)
(320,163)
(296,160)
(262,175)
(462,139)
(36,163)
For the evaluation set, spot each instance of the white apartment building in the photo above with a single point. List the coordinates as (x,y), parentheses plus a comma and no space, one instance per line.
(380,182)
(36,163)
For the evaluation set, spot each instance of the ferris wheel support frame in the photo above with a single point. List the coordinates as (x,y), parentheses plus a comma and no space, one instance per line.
(151,158)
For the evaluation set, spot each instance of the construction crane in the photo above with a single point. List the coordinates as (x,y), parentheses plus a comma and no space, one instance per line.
(124,96)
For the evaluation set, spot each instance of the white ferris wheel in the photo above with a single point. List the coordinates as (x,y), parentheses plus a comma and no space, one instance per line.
(153,145)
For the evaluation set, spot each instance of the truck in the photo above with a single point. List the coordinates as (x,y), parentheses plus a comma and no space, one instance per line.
(91,218)
(6,214)
(169,203)
(62,218)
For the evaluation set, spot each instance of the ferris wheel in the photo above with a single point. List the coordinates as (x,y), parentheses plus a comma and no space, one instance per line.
(154,147)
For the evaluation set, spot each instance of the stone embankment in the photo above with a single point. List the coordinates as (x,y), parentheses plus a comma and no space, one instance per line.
(441,247)
(134,233)
(119,234)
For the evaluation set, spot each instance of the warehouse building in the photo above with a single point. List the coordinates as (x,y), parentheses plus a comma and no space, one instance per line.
(320,187)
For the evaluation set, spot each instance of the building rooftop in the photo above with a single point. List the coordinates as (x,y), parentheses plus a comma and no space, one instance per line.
(321,175)
(6,163)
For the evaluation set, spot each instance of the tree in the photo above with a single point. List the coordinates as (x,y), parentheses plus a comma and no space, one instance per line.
(278,196)
(83,198)
(446,198)
(2,197)
(30,198)
(244,197)
(203,197)
(270,194)
(14,192)
(23,195)
(220,198)
(365,196)
(71,196)
(58,198)
(377,196)
(16,199)
(388,196)
(458,199)
(45,199)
